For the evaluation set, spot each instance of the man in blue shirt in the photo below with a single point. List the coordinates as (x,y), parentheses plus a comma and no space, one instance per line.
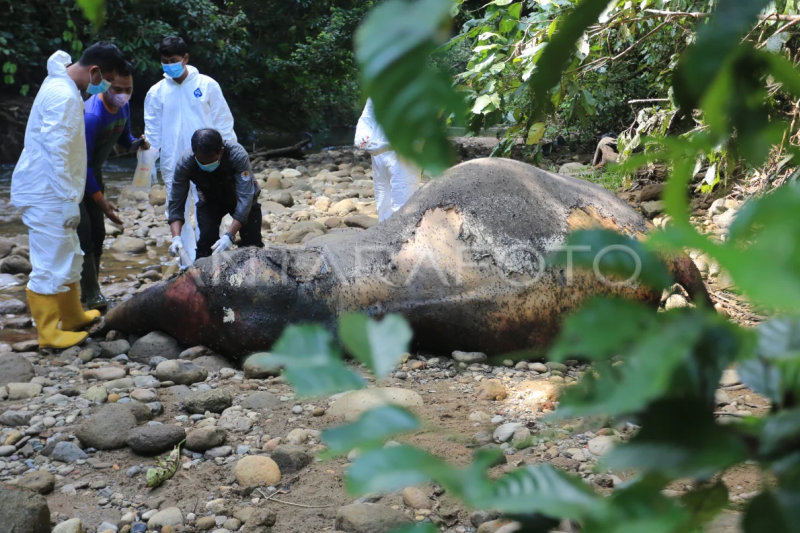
(108,122)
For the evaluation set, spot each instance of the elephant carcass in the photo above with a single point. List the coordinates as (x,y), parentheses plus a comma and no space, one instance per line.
(462,261)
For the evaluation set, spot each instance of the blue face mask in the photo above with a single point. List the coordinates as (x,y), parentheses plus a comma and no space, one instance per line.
(99,89)
(173,70)
(211,167)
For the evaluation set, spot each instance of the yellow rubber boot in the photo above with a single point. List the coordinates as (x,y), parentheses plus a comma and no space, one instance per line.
(44,308)
(73,317)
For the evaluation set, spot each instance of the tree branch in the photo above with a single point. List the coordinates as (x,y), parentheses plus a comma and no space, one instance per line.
(697,15)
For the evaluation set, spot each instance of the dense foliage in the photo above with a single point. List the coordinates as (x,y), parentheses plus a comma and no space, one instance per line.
(281,64)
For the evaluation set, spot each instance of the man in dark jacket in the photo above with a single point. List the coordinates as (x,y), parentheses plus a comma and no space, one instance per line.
(225,185)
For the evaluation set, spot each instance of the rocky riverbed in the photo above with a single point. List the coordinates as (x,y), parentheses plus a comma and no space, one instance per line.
(80,428)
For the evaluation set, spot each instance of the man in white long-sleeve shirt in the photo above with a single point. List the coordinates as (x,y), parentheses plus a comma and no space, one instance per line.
(48,185)
(177,106)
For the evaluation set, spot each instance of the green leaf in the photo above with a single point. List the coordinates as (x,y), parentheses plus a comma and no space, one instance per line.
(540,489)
(379,345)
(679,438)
(535,133)
(94,11)
(773,511)
(374,427)
(312,361)
(556,56)
(715,42)
(390,469)
(602,328)
(704,504)
(761,377)
(613,255)
(779,337)
(393,46)
(515,10)
(417,528)
(781,432)
(647,372)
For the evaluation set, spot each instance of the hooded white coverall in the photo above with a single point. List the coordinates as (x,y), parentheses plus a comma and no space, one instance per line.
(395,181)
(172,113)
(50,173)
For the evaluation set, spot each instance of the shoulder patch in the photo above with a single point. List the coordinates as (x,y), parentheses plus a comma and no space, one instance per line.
(246,175)
(198,93)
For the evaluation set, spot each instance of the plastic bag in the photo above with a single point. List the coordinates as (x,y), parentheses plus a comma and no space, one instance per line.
(145,162)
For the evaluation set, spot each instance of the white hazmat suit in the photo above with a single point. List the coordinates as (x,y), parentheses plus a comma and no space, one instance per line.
(172,113)
(50,176)
(395,181)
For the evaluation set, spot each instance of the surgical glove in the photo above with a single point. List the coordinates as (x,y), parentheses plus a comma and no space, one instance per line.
(71,215)
(221,245)
(176,247)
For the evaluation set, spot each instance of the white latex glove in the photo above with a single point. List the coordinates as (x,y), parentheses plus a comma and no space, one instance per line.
(176,247)
(221,245)
(71,215)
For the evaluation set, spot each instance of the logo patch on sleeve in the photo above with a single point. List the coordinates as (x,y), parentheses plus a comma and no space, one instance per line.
(198,93)
(246,175)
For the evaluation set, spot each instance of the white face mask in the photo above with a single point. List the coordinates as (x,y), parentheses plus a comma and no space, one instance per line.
(117,99)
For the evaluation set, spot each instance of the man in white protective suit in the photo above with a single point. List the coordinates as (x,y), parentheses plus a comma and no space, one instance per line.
(395,180)
(177,106)
(48,184)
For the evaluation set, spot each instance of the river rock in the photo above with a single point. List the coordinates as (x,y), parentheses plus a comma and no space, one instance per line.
(153,440)
(16,264)
(651,192)
(261,400)
(125,244)
(291,458)
(360,221)
(215,401)
(39,481)
(283,198)
(141,412)
(111,349)
(70,526)
(504,432)
(572,169)
(212,363)
(13,307)
(600,446)
(144,395)
(260,366)
(651,209)
(22,391)
(729,378)
(23,511)
(181,372)
(415,498)
(123,383)
(14,368)
(470,357)
(16,418)
(260,521)
(171,516)
(255,470)
(203,439)
(194,352)
(351,405)
(67,452)
(73,525)
(158,195)
(155,344)
(106,373)
(98,394)
(491,389)
(369,518)
(235,421)
(107,429)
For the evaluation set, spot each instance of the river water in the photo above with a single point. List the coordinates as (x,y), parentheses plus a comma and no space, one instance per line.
(117,173)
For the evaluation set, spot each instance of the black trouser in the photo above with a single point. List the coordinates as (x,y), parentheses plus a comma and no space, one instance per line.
(209,217)
(92,229)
